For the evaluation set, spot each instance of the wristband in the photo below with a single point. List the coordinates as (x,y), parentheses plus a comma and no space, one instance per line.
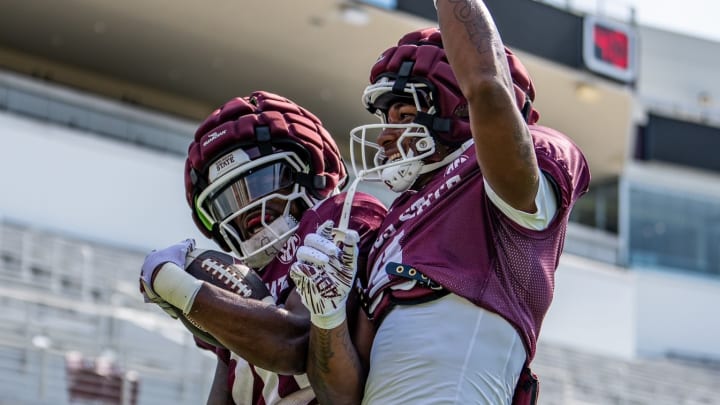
(328,321)
(176,286)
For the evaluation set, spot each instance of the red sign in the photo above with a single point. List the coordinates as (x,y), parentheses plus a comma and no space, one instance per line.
(609,48)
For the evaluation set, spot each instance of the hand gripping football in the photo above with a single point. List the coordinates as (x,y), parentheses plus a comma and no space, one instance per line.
(227,272)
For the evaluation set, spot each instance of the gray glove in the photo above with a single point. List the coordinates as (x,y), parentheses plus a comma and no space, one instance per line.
(174,254)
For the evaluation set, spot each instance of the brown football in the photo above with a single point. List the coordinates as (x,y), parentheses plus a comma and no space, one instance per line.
(226,272)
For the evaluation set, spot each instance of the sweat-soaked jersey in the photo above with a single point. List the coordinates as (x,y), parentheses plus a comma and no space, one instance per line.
(252,385)
(452,233)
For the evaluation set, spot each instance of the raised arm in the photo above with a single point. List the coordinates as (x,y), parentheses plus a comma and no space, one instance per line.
(502,139)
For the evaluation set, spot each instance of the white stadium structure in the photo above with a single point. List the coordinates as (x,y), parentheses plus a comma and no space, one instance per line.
(99,99)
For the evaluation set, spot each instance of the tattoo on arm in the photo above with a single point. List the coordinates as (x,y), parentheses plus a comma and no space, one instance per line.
(481,31)
(320,357)
(485,39)
(323,354)
(324,351)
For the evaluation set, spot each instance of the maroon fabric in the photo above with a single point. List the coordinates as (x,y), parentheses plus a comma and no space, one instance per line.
(451,232)
(527,389)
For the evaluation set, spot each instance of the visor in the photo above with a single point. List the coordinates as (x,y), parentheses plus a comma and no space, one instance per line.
(248,187)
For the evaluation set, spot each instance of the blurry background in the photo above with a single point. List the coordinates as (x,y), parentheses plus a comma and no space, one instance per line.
(99,100)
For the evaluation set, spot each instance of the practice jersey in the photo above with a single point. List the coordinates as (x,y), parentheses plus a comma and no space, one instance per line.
(451,232)
(252,385)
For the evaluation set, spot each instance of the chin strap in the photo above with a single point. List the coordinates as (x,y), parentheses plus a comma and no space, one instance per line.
(449,158)
(264,252)
(350,194)
(347,205)
(401,178)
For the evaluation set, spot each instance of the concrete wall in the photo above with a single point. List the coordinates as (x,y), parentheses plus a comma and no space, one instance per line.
(66,181)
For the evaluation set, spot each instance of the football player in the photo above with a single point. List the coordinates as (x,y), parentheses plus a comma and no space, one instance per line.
(261,173)
(463,271)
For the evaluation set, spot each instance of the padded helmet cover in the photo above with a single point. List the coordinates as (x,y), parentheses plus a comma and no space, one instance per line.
(285,126)
(431,67)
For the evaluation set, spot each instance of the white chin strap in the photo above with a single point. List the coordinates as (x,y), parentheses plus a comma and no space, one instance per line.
(401,177)
(259,243)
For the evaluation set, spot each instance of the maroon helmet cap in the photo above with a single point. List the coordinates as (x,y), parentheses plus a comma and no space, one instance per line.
(264,123)
(430,66)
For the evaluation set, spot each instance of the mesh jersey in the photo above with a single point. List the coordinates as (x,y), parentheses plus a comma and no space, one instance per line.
(253,385)
(452,233)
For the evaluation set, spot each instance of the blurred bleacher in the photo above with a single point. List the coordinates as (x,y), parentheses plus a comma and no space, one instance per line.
(568,376)
(74,329)
(67,302)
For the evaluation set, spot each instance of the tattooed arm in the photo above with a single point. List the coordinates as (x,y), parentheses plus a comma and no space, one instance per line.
(324,275)
(336,367)
(502,139)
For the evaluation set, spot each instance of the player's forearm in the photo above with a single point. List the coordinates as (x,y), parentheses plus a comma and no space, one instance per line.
(473,45)
(265,335)
(477,55)
(334,368)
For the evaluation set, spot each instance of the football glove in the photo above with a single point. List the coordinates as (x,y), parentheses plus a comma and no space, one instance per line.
(324,273)
(163,279)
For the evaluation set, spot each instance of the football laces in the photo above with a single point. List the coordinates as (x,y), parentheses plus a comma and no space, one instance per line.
(227,275)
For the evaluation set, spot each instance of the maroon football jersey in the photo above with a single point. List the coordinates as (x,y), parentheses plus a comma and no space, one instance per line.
(367,213)
(452,233)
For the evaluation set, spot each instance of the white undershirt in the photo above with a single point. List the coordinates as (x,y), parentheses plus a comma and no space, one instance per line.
(545,201)
(450,351)
(443,352)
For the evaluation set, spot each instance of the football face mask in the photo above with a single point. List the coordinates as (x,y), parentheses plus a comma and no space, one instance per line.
(414,144)
(252,202)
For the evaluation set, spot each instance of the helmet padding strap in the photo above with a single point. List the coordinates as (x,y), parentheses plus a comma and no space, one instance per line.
(312,183)
(262,135)
(403,76)
(434,124)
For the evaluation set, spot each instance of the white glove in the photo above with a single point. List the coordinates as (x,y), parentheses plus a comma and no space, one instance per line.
(325,272)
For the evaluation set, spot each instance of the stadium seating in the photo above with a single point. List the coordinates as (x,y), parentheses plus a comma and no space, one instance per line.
(55,310)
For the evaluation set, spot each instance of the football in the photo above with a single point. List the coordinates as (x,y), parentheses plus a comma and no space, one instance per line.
(227,272)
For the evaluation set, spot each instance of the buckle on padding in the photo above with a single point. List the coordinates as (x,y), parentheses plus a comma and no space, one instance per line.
(409,272)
